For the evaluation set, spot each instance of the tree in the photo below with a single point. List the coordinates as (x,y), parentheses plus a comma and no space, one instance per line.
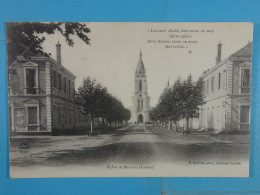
(26,38)
(153,115)
(176,102)
(114,110)
(127,115)
(164,102)
(181,101)
(93,100)
(170,104)
(193,98)
(90,99)
(160,111)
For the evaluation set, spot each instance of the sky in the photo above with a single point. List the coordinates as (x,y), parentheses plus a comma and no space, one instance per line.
(114,52)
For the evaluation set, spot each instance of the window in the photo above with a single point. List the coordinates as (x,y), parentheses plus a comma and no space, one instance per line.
(219,80)
(31,81)
(59,82)
(54,79)
(212,110)
(64,85)
(59,115)
(71,116)
(142,104)
(69,86)
(212,84)
(30,70)
(245,80)
(244,117)
(224,79)
(245,77)
(218,114)
(245,114)
(64,115)
(32,114)
(72,87)
(208,117)
(207,87)
(140,85)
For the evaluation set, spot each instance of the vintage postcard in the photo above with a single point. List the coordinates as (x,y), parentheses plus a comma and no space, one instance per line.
(129,99)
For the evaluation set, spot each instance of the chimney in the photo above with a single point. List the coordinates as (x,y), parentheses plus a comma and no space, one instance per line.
(219,52)
(58,52)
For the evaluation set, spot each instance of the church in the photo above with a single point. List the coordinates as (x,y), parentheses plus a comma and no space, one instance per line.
(141,100)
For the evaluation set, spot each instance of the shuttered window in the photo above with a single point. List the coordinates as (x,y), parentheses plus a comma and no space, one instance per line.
(245,80)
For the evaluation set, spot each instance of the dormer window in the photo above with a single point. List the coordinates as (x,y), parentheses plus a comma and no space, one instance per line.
(30,81)
(31,78)
(245,80)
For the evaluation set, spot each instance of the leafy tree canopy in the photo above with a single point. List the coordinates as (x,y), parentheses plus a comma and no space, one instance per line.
(90,97)
(182,100)
(26,38)
(94,100)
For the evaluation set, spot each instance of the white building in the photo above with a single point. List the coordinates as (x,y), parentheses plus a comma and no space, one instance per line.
(227,90)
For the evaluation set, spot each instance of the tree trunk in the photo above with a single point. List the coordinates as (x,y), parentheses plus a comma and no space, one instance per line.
(186,127)
(170,125)
(176,126)
(103,121)
(91,128)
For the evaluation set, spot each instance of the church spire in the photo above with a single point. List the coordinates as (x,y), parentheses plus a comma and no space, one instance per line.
(140,70)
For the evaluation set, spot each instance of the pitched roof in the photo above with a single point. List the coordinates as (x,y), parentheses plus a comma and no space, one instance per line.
(245,51)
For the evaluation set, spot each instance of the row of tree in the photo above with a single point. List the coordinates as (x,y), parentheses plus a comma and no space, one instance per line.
(93,100)
(180,101)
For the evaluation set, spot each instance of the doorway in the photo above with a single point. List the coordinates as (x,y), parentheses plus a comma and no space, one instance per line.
(140,118)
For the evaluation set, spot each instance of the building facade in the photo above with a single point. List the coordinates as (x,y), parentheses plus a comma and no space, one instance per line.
(41,95)
(141,100)
(227,90)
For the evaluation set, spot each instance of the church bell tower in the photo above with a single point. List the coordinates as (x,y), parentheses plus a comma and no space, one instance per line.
(141,100)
